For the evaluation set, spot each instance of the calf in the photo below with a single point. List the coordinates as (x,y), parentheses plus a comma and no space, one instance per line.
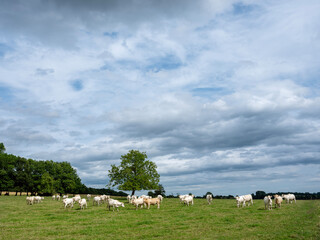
(209,198)
(277,201)
(267,202)
(30,200)
(82,202)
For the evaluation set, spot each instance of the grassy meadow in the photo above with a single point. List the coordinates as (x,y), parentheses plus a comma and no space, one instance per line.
(220,220)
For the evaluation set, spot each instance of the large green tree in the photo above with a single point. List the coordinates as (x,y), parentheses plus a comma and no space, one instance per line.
(134,173)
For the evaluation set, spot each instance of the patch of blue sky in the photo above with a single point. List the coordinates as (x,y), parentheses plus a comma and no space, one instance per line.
(243,9)
(106,67)
(6,93)
(77,84)
(111,34)
(169,62)
(128,64)
(4,48)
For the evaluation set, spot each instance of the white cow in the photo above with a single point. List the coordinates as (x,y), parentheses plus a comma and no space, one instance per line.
(82,202)
(138,202)
(30,200)
(104,198)
(114,204)
(129,198)
(267,202)
(38,199)
(243,199)
(58,197)
(181,197)
(96,200)
(65,196)
(209,198)
(188,199)
(289,197)
(88,197)
(53,197)
(68,202)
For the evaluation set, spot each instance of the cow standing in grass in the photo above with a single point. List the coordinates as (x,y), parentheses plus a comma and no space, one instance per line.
(267,202)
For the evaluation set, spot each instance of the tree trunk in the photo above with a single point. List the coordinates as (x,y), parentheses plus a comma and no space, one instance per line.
(16,193)
(133,192)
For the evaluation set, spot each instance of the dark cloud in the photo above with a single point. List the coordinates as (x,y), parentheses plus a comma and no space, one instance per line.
(57,23)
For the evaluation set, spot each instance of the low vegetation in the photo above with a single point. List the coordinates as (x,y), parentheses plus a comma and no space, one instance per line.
(220,220)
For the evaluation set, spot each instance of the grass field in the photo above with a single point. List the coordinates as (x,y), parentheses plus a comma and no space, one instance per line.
(221,220)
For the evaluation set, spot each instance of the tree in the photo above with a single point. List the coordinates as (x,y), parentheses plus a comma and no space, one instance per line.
(46,184)
(160,191)
(134,173)
(2,148)
(260,194)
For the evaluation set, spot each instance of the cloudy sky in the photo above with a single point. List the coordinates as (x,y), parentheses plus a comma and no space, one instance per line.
(224,96)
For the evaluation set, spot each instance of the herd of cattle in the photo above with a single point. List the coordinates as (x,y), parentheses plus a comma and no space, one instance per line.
(146,201)
(289,198)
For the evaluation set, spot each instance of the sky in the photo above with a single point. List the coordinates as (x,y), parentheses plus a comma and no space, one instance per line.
(223,95)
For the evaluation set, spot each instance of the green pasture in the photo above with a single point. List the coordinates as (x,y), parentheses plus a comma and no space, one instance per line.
(220,220)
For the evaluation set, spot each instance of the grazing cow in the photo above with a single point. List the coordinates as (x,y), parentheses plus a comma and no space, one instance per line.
(30,200)
(104,198)
(88,197)
(53,197)
(114,204)
(277,201)
(267,202)
(38,199)
(138,202)
(289,197)
(129,198)
(58,197)
(243,199)
(82,202)
(181,197)
(152,201)
(240,201)
(209,198)
(65,196)
(188,199)
(68,202)
(96,200)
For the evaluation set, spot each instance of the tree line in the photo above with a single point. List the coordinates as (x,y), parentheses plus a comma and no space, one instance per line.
(18,174)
